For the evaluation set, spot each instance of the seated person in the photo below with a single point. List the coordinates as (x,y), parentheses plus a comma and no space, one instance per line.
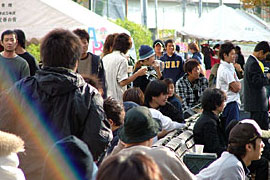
(245,146)
(115,114)
(208,130)
(172,97)
(135,166)
(134,97)
(190,87)
(156,95)
(137,135)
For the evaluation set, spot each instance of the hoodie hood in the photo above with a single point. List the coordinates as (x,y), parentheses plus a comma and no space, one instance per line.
(57,81)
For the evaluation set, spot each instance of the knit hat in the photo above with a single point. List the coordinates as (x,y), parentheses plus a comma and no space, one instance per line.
(158,41)
(245,131)
(139,126)
(145,52)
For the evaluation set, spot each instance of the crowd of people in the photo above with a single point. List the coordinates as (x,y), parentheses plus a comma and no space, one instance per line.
(83,116)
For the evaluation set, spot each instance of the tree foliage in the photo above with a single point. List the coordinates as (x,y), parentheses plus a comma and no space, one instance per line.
(140,34)
(254,3)
(34,49)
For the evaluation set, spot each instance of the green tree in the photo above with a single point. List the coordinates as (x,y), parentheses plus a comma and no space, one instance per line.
(34,49)
(140,34)
(254,3)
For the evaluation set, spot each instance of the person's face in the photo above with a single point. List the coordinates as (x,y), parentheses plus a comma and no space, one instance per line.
(84,43)
(221,107)
(256,153)
(158,48)
(262,56)
(195,73)
(9,42)
(122,116)
(230,58)
(170,48)
(149,62)
(170,90)
(161,99)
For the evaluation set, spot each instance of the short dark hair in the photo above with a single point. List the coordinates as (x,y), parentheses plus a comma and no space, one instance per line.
(225,48)
(263,45)
(7,32)
(212,98)
(122,43)
(168,81)
(113,110)
(135,166)
(60,48)
(134,94)
(154,89)
(190,64)
(82,33)
(21,37)
(169,41)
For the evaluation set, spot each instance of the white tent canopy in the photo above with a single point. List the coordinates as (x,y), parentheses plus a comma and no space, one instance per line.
(225,23)
(37,17)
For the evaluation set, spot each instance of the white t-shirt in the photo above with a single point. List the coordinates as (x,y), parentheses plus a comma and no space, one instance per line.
(167,123)
(115,66)
(225,75)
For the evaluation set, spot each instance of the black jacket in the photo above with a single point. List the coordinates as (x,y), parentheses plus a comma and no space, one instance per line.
(49,106)
(208,131)
(98,69)
(255,98)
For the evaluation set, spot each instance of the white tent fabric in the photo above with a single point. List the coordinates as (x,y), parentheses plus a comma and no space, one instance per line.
(225,23)
(37,17)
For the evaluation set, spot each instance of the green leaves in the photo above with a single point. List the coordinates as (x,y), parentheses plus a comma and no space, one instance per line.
(140,34)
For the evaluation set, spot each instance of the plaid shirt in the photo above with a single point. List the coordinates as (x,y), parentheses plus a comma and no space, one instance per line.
(190,94)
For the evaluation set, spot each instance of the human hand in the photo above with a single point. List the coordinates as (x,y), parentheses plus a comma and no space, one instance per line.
(142,71)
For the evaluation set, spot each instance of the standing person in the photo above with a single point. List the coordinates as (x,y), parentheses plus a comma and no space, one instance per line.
(194,49)
(228,81)
(245,146)
(12,66)
(89,63)
(208,129)
(147,58)
(56,102)
(116,67)
(158,46)
(255,97)
(240,58)
(108,44)
(20,50)
(173,63)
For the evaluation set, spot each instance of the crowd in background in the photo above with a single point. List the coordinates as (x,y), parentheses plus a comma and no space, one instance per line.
(83,116)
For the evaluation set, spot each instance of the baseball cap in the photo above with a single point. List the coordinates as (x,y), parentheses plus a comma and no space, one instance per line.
(245,131)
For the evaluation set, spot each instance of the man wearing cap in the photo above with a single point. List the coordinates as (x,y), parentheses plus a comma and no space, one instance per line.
(147,59)
(245,145)
(158,46)
(137,134)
